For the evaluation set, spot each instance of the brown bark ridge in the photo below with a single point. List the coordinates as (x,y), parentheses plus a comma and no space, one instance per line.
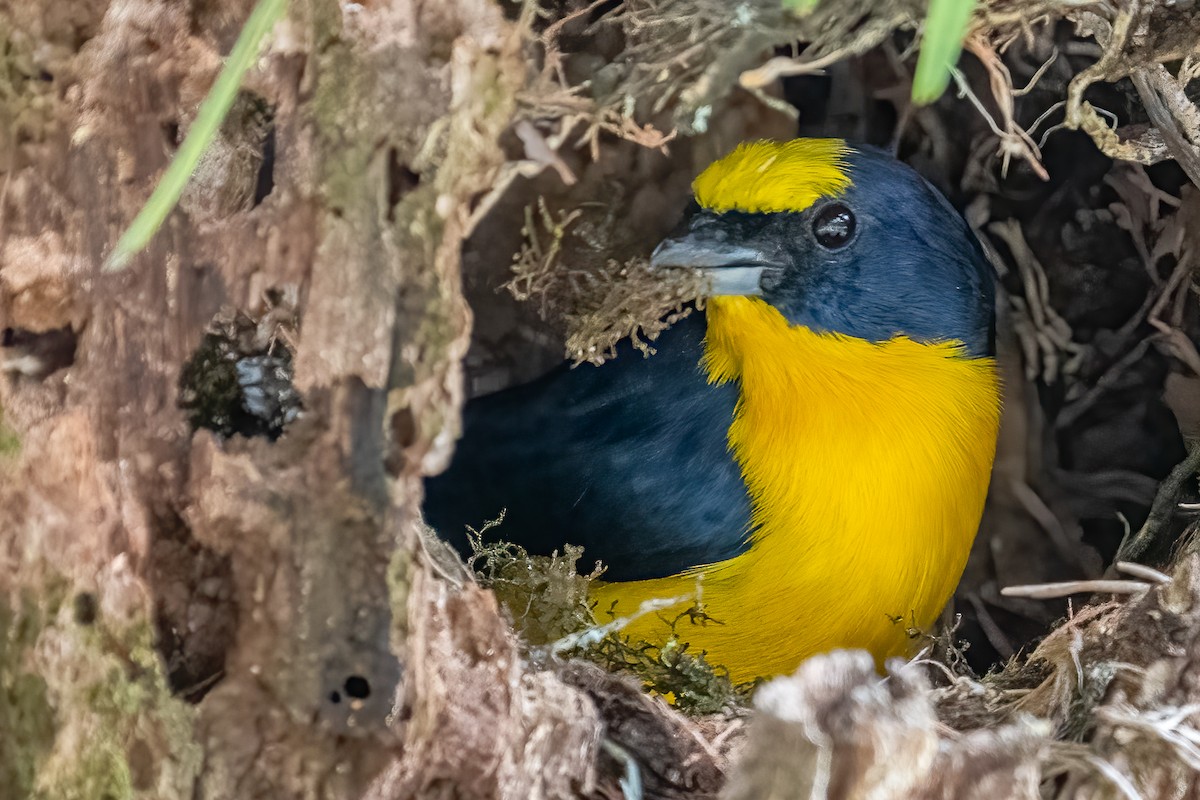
(267,573)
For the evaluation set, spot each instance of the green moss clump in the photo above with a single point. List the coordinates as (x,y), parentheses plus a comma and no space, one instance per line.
(10,443)
(548,601)
(85,708)
(600,301)
(546,595)
(686,679)
(26,718)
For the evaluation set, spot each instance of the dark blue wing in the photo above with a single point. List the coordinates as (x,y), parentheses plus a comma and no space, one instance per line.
(628,459)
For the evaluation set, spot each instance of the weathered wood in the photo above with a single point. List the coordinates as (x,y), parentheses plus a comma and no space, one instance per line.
(280,576)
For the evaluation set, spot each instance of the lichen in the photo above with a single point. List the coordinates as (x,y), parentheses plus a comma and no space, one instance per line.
(26,717)
(547,599)
(687,680)
(10,443)
(545,595)
(85,707)
(239,380)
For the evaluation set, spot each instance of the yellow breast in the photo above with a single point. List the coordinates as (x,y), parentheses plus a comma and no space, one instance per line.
(867,466)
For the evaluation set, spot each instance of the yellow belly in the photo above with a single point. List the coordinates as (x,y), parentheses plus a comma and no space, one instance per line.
(867,467)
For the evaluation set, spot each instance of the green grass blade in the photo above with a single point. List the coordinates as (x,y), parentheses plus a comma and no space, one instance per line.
(208,121)
(945,28)
(801,7)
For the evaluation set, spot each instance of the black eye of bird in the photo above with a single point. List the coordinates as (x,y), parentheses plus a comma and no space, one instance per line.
(834,226)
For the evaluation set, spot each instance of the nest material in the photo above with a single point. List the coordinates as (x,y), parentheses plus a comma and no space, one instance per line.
(682,58)
(1106,703)
(1106,706)
(602,305)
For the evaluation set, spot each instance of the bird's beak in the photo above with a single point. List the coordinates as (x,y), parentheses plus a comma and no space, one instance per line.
(733,268)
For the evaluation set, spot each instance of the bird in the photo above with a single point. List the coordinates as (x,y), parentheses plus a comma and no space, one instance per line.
(806,460)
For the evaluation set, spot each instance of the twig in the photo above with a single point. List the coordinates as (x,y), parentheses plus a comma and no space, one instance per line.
(1143,572)
(1036,507)
(1052,591)
(591,636)
(991,630)
(1114,776)
(1162,510)
(1107,380)
(631,781)
(1186,154)
(1014,140)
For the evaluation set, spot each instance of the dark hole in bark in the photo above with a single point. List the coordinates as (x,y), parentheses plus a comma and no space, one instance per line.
(86,608)
(404,433)
(358,687)
(170,130)
(36,354)
(401,180)
(265,183)
(335,697)
(196,615)
(236,384)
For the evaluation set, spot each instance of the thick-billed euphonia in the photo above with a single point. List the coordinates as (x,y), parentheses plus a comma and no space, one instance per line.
(816,445)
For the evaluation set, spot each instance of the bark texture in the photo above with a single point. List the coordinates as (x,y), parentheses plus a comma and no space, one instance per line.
(285,574)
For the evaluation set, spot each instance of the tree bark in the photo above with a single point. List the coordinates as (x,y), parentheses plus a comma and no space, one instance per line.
(303,648)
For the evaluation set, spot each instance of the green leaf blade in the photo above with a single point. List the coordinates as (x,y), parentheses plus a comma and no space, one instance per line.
(946,27)
(212,112)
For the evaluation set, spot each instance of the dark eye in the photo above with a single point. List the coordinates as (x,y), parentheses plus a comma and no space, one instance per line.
(834,226)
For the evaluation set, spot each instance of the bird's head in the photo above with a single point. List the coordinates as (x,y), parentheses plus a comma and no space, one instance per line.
(839,239)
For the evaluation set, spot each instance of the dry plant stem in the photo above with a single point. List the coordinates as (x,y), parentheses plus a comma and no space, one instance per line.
(1163,509)
(1045,336)
(828,50)
(1187,155)
(1142,571)
(1014,140)
(1113,41)
(1120,32)
(1052,591)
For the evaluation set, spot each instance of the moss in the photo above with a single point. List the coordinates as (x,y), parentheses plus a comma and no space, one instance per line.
(239,382)
(26,718)
(685,679)
(10,443)
(85,708)
(139,737)
(547,600)
(399,583)
(339,105)
(100,772)
(545,595)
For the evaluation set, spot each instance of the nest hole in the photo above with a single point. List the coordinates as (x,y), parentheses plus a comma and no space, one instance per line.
(401,179)
(196,614)
(239,380)
(37,354)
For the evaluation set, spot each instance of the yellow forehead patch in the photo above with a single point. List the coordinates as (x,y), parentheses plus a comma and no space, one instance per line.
(768,176)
